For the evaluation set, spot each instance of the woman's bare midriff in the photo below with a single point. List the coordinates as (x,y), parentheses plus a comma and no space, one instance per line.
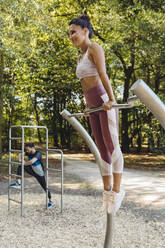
(90,82)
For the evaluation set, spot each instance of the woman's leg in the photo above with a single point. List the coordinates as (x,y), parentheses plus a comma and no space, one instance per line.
(109,127)
(110,135)
(106,166)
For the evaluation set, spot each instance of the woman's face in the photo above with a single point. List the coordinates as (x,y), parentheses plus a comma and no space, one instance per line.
(77,34)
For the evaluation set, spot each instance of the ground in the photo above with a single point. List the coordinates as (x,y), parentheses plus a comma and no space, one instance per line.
(140,223)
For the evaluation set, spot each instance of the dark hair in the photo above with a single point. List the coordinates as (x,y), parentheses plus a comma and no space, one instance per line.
(29,145)
(84,22)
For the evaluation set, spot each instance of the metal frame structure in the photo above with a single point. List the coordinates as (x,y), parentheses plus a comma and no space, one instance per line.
(62,176)
(150,99)
(10,174)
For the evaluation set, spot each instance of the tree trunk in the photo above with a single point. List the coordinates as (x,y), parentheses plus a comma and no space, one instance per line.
(1,98)
(125,122)
(128,70)
(157,81)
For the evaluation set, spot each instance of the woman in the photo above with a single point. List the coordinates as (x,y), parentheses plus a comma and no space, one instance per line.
(91,71)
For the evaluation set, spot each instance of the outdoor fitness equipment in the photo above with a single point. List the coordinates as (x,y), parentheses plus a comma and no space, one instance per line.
(90,143)
(149,98)
(10,174)
(129,104)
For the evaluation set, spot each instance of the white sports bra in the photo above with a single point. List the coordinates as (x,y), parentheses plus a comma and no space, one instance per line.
(86,68)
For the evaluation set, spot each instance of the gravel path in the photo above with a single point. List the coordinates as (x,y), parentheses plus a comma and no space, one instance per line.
(82,224)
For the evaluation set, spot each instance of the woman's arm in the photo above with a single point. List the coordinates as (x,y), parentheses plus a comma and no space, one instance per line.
(96,53)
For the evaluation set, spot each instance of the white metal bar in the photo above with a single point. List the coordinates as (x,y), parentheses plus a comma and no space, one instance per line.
(62,173)
(15,138)
(15,150)
(150,99)
(109,231)
(28,126)
(9,172)
(53,169)
(130,104)
(47,183)
(22,175)
(13,162)
(54,150)
(14,175)
(62,178)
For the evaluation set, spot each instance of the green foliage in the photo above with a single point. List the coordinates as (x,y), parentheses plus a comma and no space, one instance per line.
(39,63)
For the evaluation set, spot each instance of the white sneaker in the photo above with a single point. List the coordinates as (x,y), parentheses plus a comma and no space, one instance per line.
(108,199)
(112,201)
(118,200)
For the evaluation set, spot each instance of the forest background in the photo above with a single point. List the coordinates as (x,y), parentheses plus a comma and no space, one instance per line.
(38,62)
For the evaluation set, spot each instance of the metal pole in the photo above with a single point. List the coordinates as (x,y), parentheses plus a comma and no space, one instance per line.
(62,180)
(46,168)
(9,175)
(150,99)
(129,104)
(22,175)
(109,230)
(62,173)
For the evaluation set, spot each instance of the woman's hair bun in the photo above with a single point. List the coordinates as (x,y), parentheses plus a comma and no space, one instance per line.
(85,17)
(84,22)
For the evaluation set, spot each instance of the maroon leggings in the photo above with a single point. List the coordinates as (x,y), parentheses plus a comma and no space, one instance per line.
(104,125)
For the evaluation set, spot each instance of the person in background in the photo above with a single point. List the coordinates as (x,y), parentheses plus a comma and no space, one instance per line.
(34,167)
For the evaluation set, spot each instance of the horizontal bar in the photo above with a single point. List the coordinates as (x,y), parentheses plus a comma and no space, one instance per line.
(10,199)
(54,150)
(77,115)
(132,98)
(15,138)
(24,126)
(15,175)
(52,169)
(12,162)
(130,104)
(14,150)
(150,99)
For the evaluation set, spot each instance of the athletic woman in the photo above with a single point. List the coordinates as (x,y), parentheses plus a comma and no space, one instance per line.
(91,71)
